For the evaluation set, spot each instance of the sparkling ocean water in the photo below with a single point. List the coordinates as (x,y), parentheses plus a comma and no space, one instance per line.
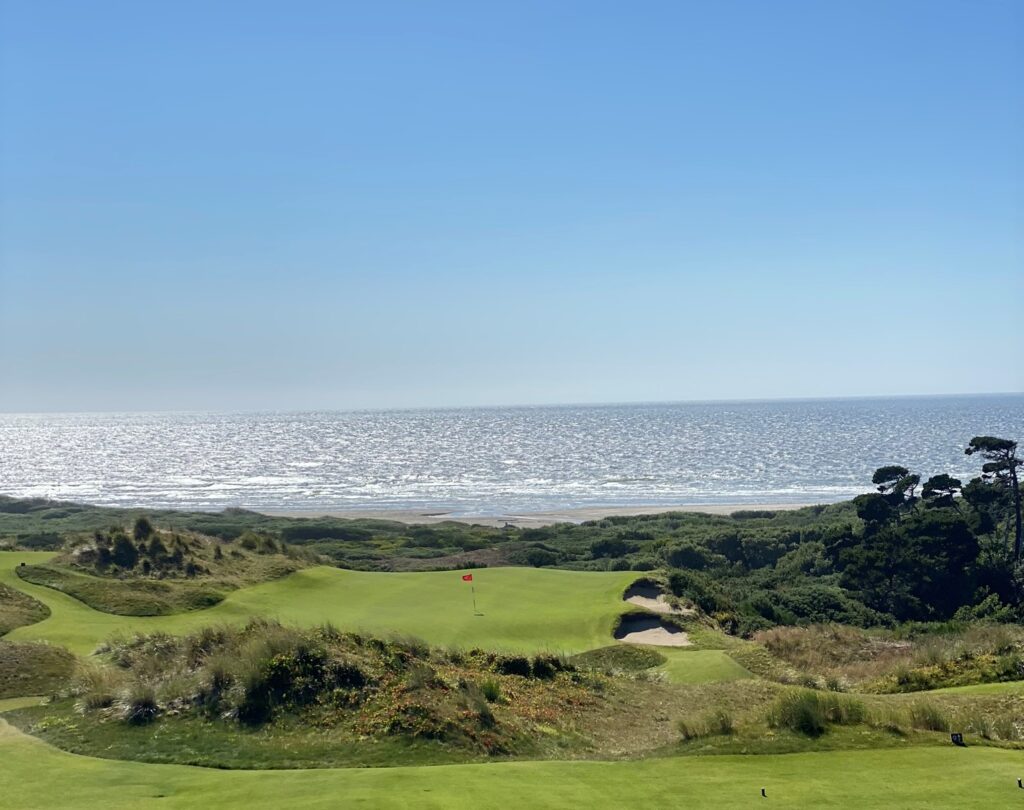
(490,461)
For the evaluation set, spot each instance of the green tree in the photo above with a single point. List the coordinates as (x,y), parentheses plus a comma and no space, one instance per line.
(142,529)
(1000,468)
(897,485)
(940,491)
(124,552)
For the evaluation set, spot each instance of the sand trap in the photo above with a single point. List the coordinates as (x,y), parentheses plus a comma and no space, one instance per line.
(650,598)
(651,630)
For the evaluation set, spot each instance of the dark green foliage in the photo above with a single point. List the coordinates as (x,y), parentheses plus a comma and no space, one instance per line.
(941,491)
(140,706)
(142,530)
(1000,468)
(491,690)
(611,547)
(513,665)
(123,552)
(547,667)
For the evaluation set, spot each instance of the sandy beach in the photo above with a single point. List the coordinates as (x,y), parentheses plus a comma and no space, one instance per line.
(531,519)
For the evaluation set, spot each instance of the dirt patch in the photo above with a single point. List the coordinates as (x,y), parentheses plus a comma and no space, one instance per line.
(650,630)
(650,597)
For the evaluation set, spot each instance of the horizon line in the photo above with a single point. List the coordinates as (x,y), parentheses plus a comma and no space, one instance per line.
(516,406)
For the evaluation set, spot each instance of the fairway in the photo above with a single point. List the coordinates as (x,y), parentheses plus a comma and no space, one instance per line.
(1003,688)
(700,666)
(35,775)
(520,609)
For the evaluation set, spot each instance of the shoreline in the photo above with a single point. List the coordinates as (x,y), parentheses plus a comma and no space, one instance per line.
(527,519)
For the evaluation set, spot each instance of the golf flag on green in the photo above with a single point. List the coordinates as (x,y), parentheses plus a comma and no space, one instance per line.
(469,578)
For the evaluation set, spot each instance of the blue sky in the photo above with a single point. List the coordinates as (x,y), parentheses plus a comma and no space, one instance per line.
(338,205)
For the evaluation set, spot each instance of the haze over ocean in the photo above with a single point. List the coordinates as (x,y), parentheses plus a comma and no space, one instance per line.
(489,461)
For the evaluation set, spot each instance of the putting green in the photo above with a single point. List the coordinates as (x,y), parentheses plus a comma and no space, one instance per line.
(35,775)
(521,609)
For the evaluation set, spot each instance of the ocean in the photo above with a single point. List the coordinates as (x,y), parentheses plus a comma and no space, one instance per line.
(491,461)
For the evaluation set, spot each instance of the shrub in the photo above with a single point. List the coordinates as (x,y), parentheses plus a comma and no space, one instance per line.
(513,665)
(142,529)
(124,552)
(722,722)
(97,685)
(491,690)
(138,705)
(810,713)
(547,666)
(691,728)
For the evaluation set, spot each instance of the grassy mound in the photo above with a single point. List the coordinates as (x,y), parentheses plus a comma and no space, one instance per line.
(313,695)
(18,609)
(911,660)
(131,597)
(158,573)
(620,658)
(33,669)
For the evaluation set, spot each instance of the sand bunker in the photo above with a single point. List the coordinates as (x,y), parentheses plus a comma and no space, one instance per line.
(650,630)
(649,597)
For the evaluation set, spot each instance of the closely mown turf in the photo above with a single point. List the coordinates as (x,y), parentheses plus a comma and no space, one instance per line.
(928,777)
(521,609)
(1005,688)
(701,666)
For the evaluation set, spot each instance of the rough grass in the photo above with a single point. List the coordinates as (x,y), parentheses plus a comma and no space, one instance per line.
(32,668)
(318,691)
(888,661)
(522,609)
(18,609)
(620,658)
(205,572)
(131,597)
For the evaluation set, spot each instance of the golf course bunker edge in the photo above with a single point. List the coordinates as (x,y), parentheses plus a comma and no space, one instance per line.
(638,628)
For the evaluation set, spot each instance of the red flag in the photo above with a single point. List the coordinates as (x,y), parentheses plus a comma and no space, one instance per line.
(467,577)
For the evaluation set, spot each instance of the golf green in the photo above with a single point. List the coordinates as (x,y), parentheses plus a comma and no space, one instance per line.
(518,609)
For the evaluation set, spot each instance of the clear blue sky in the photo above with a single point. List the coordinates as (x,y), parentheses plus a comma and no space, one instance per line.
(333,205)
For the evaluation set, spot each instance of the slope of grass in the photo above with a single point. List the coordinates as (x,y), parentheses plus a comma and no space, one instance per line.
(701,666)
(17,609)
(971,779)
(1005,688)
(517,609)
(132,597)
(32,668)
